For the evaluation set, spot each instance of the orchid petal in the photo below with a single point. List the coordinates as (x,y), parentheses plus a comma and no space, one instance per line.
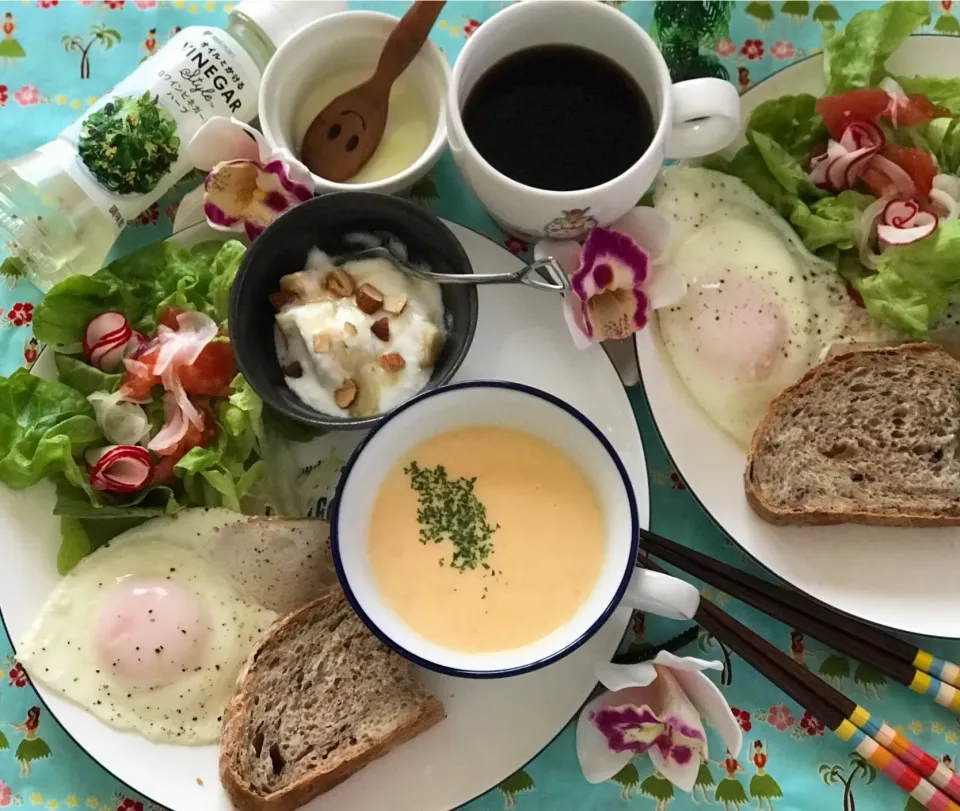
(609,261)
(680,761)
(648,228)
(666,287)
(222,139)
(621,677)
(686,663)
(296,171)
(565,251)
(597,760)
(711,704)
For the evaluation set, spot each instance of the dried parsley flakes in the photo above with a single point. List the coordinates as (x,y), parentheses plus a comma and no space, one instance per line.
(449,509)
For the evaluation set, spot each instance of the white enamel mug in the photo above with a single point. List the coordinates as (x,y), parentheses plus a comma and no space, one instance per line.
(694,118)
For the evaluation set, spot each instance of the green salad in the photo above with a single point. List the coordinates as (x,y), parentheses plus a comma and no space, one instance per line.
(867,174)
(148,414)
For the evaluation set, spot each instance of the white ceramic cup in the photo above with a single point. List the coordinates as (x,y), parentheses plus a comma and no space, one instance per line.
(619,584)
(692,118)
(350,40)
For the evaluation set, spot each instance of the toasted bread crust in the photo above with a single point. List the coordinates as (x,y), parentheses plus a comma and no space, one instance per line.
(761,506)
(243,797)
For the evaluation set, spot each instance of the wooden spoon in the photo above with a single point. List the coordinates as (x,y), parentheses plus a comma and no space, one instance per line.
(346,133)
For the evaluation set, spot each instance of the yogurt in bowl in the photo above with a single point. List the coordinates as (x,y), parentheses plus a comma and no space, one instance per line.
(360,338)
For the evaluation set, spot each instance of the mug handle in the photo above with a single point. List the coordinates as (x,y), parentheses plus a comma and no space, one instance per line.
(661,594)
(706,117)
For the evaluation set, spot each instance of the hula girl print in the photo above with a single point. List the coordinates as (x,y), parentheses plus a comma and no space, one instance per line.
(31,748)
(150,44)
(658,787)
(704,780)
(730,793)
(574,224)
(10,49)
(762,785)
(798,650)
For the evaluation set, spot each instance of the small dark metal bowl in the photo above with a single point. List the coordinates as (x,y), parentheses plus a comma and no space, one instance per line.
(322,223)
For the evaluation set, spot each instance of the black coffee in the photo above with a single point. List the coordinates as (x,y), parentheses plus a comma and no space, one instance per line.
(558,117)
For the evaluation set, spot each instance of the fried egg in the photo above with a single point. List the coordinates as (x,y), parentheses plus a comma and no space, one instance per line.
(760,309)
(150,631)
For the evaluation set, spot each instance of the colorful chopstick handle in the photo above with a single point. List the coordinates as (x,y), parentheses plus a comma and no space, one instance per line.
(922,790)
(938,668)
(946,695)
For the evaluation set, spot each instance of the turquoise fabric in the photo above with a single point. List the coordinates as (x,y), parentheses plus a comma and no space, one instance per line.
(41,92)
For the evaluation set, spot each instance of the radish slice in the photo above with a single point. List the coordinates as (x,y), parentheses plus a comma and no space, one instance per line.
(105,340)
(136,345)
(847,159)
(864,231)
(108,325)
(920,226)
(183,346)
(949,184)
(898,98)
(900,213)
(120,468)
(900,179)
(174,429)
(122,422)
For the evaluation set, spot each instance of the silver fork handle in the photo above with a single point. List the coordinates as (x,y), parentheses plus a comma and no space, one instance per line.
(556,281)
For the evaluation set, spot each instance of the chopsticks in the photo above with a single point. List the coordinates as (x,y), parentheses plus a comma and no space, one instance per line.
(895,756)
(896,659)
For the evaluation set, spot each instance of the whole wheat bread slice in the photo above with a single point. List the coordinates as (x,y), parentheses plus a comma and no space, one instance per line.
(320,698)
(867,437)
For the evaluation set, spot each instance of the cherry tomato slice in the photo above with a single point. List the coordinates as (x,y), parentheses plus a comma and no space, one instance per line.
(840,111)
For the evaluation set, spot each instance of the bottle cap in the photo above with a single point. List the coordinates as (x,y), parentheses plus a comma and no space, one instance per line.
(281,19)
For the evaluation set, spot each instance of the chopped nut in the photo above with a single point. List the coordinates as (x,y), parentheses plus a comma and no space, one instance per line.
(349,328)
(392,361)
(394,304)
(340,283)
(381,328)
(432,346)
(321,343)
(346,394)
(369,299)
(282,298)
(305,285)
(293,369)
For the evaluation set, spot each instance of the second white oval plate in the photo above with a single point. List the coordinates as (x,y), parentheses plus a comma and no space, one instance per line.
(904,579)
(493,727)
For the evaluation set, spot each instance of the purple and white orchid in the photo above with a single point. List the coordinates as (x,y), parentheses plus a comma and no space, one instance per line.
(248,184)
(615,277)
(654,708)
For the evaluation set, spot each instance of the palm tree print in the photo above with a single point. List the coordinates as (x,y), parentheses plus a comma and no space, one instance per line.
(515,784)
(99,35)
(857,768)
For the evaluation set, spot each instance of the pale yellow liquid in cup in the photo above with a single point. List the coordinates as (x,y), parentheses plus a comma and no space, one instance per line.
(546,557)
(410,123)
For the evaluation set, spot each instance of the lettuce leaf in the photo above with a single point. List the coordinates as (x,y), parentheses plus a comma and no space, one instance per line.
(80,375)
(139,285)
(44,426)
(856,56)
(940,90)
(784,168)
(830,221)
(791,121)
(914,284)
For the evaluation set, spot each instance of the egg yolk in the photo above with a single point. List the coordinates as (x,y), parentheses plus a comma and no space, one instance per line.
(150,631)
(738,328)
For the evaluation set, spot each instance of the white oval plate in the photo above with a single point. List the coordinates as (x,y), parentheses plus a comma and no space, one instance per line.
(904,579)
(492,727)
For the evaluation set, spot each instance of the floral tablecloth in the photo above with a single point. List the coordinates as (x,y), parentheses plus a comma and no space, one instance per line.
(57,57)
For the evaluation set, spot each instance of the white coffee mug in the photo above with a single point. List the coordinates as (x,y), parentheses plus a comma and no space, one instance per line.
(693,118)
